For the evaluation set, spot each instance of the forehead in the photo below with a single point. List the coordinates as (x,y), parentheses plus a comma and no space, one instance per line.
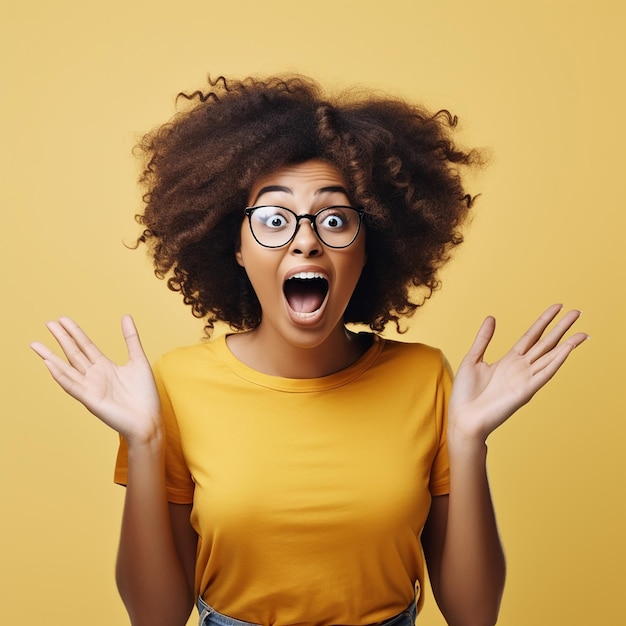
(302,179)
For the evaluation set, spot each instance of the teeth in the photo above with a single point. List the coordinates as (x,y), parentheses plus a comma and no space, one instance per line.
(307,275)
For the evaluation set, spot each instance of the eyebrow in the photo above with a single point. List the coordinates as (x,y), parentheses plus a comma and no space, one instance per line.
(321,190)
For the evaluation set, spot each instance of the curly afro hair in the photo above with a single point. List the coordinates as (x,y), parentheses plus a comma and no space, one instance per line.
(398,160)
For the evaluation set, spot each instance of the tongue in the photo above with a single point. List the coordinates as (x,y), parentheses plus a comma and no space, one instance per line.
(304,297)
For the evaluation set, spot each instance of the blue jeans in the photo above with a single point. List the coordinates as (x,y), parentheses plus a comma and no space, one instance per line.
(210,617)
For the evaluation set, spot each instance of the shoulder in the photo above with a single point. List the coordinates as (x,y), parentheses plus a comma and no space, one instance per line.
(414,354)
(185,360)
(409,365)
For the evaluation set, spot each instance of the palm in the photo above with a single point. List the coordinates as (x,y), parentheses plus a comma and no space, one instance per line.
(124,397)
(485,395)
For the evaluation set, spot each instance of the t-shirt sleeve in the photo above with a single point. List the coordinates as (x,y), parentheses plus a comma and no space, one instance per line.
(440,473)
(180,485)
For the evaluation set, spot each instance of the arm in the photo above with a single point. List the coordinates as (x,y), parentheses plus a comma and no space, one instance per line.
(154,568)
(463,552)
(460,539)
(156,557)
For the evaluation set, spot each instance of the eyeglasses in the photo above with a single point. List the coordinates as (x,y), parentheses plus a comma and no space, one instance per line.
(276,226)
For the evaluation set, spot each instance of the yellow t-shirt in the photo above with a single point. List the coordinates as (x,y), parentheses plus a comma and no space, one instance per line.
(309,495)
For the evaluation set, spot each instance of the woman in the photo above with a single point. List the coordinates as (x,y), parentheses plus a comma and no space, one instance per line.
(296,471)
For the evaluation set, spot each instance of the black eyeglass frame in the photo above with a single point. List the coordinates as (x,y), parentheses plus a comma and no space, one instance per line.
(308,216)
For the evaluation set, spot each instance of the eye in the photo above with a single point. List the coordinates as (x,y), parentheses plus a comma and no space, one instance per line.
(272,217)
(275,221)
(333,219)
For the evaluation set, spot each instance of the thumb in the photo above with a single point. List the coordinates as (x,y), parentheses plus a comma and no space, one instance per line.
(485,333)
(131,337)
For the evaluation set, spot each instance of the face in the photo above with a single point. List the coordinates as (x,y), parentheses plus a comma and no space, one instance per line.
(304,287)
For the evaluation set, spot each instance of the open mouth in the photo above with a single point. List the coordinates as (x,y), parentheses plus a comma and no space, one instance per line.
(305,292)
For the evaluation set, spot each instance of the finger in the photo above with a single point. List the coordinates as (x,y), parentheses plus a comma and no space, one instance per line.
(41,349)
(484,335)
(131,337)
(63,373)
(548,365)
(81,339)
(74,353)
(530,337)
(547,343)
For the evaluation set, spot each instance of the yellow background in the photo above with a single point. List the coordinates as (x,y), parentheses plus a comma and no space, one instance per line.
(540,82)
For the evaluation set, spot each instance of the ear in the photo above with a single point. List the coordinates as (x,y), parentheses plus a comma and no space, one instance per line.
(239,256)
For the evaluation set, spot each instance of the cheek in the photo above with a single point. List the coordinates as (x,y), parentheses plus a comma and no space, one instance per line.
(360,254)
(259,266)
(351,269)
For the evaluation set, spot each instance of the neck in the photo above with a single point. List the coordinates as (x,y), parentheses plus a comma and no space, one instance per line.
(262,351)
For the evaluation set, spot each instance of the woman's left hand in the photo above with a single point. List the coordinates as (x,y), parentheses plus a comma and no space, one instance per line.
(485,395)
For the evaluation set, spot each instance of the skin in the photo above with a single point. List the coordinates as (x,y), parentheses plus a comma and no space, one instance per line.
(156,557)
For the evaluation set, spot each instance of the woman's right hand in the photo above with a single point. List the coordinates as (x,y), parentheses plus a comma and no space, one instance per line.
(123,396)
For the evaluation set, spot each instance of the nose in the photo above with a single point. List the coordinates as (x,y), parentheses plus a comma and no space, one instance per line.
(306,241)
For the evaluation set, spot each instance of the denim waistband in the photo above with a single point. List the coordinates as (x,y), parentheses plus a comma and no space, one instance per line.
(210,617)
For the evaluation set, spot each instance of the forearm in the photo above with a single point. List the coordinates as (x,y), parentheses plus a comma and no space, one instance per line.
(150,575)
(473,567)
(460,538)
